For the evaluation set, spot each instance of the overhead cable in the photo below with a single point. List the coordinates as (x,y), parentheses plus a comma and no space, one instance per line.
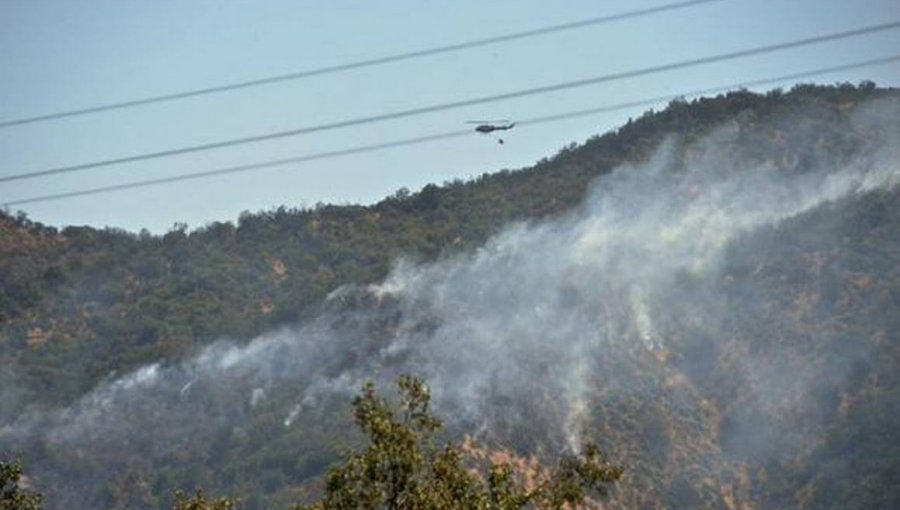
(357,64)
(459,104)
(448,135)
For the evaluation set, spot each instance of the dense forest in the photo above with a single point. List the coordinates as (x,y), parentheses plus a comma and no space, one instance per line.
(752,368)
(403,466)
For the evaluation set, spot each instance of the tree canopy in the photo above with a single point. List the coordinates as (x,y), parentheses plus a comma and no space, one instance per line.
(14,495)
(405,466)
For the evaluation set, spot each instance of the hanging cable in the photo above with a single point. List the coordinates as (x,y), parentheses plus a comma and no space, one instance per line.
(358,64)
(447,135)
(459,104)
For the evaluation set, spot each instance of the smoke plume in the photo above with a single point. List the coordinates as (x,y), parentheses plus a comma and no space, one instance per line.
(611,323)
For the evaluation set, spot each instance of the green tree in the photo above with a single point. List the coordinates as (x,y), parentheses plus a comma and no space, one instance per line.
(13,494)
(199,502)
(403,467)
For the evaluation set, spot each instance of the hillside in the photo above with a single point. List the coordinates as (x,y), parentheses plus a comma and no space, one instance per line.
(710,292)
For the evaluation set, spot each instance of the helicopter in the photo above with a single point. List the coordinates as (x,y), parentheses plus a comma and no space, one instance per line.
(489,126)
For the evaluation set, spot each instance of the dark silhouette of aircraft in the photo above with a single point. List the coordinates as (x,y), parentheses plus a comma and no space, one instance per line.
(487,126)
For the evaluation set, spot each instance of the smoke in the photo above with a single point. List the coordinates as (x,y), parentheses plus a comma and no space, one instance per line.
(548,335)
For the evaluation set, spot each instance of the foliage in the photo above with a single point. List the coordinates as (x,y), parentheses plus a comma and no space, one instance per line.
(403,467)
(199,502)
(13,495)
(80,304)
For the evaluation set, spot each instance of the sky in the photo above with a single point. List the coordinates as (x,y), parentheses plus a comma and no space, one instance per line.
(59,55)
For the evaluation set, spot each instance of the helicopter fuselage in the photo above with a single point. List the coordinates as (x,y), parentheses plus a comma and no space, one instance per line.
(487,128)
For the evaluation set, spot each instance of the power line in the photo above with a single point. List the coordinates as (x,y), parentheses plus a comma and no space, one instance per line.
(713,90)
(447,135)
(252,166)
(459,104)
(359,64)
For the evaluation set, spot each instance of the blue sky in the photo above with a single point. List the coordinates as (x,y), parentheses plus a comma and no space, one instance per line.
(64,54)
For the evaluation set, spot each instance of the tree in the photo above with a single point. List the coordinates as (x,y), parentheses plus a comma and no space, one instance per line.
(199,502)
(403,467)
(13,493)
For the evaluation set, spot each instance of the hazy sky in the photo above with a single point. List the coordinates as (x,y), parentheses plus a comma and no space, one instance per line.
(67,54)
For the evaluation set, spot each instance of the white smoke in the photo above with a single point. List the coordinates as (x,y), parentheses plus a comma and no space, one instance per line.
(525,331)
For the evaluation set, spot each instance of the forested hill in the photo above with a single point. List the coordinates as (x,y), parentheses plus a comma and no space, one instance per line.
(81,302)
(689,355)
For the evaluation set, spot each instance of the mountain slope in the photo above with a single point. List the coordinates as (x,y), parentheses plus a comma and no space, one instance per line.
(718,311)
